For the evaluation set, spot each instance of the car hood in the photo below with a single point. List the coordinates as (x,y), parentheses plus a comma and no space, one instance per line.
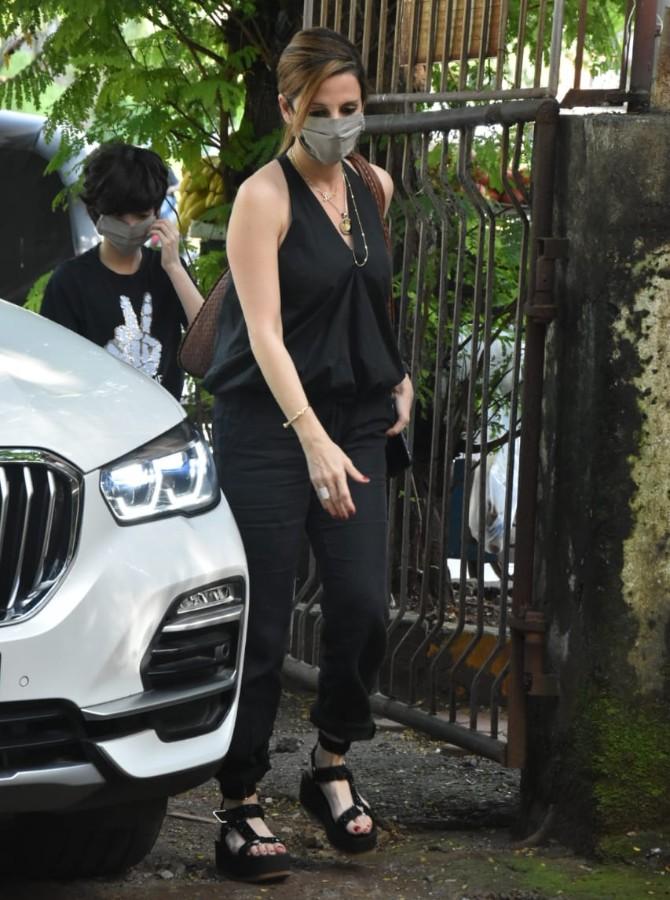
(59,392)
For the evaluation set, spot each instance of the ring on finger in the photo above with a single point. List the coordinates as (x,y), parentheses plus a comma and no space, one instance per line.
(323,493)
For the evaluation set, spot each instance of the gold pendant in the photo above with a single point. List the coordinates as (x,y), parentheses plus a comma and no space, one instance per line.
(345,224)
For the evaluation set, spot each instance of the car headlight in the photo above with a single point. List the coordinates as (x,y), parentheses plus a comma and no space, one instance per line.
(173,474)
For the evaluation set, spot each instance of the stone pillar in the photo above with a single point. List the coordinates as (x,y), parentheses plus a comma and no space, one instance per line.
(600,757)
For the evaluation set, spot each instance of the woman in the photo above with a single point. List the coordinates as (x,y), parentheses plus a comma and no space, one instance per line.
(305,343)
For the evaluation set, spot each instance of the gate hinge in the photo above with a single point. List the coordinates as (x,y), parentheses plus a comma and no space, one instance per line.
(549,249)
(537,682)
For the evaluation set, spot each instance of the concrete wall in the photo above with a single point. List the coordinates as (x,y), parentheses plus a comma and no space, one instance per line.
(601,757)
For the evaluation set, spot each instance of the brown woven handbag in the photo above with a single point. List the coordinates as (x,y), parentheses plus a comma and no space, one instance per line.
(197,347)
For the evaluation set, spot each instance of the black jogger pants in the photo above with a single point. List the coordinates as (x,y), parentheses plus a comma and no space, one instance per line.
(264,477)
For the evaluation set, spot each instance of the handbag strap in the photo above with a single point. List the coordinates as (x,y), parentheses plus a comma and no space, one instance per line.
(374,185)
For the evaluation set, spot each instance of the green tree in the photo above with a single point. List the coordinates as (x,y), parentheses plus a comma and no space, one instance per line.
(190,79)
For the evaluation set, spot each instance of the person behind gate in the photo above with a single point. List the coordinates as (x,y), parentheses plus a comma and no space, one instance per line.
(308,384)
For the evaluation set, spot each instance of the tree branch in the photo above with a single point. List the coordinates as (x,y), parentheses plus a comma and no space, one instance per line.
(204,74)
(194,123)
(187,41)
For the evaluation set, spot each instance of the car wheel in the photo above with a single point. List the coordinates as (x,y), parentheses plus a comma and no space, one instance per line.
(101,841)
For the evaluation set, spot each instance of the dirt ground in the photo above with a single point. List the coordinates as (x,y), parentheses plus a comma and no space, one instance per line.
(445,820)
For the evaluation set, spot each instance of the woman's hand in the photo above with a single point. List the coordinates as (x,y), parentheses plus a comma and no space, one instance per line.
(166,233)
(328,468)
(403,395)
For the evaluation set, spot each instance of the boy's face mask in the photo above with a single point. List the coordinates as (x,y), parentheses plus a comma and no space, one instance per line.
(330,140)
(125,238)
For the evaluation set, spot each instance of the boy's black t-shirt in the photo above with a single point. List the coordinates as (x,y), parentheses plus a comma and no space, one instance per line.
(138,318)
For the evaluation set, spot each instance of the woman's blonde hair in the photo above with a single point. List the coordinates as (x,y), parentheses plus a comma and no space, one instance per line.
(312,56)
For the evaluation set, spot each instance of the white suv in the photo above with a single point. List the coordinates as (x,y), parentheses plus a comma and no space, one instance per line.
(123,598)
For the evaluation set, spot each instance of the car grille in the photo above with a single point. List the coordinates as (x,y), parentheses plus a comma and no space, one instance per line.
(37,734)
(40,502)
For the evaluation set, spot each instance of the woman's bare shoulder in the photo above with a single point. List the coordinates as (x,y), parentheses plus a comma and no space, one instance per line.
(385,178)
(267,184)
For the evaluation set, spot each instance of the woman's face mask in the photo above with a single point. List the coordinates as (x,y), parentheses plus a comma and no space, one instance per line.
(125,238)
(330,140)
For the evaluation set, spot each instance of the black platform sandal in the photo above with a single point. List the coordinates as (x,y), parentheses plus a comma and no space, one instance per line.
(315,802)
(239,864)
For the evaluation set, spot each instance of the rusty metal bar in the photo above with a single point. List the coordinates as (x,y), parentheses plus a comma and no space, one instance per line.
(352,20)
(381,44)
(543,174)
(337,16)
(594,97)
(415,215)
(642,64)
(308,14)
(367,34)
(395,69)
(463,62)
(460,96)
(502,34)
(430,51)
(556,46)
(446,588)
(483,45)
(444,592)
(628,22)
(445,120)
(581,39)
(520,42)
(421,301)
(514,182)
(539,42)
(307,677)
(479,311)
(446,46)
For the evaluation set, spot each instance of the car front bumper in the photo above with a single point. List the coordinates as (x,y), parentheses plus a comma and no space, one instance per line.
(80,659)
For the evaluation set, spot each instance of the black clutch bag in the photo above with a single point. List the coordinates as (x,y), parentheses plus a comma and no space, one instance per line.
(398,457)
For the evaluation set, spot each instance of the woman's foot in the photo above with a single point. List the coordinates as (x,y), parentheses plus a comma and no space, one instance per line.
(338,793)
(234,839)
(328,793)
(247,850)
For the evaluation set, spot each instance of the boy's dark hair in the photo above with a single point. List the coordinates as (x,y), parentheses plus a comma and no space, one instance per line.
(120,178)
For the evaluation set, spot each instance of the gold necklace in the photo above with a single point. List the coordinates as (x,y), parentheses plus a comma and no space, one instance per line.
(345,220)
(358,219)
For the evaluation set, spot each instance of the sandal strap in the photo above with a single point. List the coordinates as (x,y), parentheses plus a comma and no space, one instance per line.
(349,815)
(341,773)
(360,802)
(332,773)
(231,818)
(235,819)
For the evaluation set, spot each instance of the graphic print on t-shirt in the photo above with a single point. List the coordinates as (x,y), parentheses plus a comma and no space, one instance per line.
(133,342)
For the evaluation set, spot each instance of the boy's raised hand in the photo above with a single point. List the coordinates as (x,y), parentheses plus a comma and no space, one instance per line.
(166,233)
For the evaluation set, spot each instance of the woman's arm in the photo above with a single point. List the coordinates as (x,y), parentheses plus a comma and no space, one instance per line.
(253,237)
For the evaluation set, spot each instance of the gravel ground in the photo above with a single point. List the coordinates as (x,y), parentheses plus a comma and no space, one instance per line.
(445,820)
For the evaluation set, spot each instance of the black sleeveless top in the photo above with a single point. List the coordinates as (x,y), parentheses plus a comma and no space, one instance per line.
(334,313)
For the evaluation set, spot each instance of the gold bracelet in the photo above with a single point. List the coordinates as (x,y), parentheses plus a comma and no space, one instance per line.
(301,412)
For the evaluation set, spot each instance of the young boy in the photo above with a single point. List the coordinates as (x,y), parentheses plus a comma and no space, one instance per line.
(121,295)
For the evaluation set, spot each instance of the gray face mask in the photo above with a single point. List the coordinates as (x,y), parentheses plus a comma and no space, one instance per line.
(330,140)
(125,238)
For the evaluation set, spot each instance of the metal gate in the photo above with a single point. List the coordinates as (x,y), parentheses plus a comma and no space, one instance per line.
(470,219)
